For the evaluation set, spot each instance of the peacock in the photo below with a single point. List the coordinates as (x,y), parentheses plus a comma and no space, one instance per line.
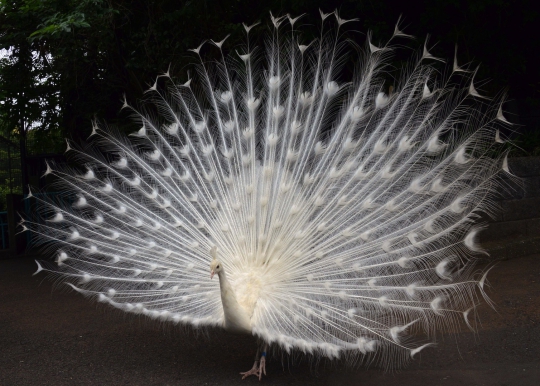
(339,210)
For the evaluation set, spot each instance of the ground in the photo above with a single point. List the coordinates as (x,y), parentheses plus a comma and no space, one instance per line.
(50,335)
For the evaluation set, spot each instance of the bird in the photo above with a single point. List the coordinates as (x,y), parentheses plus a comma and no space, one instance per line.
(339,210)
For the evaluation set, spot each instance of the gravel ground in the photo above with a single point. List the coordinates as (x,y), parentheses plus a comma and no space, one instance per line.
(53,336)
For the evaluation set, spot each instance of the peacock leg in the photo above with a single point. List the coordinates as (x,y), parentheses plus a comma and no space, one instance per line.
(259,366)
(262,363)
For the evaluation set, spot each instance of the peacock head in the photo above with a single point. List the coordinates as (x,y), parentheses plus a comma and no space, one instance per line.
(215,267)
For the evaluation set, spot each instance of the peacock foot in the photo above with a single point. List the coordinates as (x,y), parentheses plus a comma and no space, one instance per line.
(259,367)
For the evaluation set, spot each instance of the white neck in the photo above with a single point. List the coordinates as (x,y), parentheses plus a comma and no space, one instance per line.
(235,317)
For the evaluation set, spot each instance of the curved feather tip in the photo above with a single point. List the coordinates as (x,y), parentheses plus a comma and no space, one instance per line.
(75,288)
(466,317)
(505,165)
(418,349)
(40,268)
(484,277)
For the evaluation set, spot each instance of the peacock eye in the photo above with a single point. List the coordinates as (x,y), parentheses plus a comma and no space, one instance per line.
(217,267)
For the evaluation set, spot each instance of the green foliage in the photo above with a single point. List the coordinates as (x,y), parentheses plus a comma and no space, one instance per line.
(7,188)
(70,61)
(29,89)
(10,172)
(59,23)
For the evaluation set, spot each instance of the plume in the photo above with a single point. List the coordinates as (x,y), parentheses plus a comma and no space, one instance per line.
(344,211)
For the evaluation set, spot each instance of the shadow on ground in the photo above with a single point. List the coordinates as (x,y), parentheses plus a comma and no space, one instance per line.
(52,336)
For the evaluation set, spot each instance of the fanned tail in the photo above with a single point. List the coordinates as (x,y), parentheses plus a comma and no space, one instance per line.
(353,208)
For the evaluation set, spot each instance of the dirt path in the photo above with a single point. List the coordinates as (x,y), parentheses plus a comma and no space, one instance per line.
(52,336)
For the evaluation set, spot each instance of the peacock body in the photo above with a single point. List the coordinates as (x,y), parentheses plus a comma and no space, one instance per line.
(339,218)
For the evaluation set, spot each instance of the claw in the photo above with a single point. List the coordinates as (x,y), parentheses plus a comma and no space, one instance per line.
(257,370)
(254,371)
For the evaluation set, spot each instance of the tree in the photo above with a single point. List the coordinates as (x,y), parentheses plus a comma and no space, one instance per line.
(69,61)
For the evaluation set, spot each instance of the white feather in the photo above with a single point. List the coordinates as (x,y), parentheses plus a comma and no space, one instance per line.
(334,210)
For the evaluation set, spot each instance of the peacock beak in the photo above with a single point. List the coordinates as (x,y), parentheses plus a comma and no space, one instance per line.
(212,274)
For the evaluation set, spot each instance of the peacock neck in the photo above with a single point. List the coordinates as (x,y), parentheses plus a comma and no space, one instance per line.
(235,317)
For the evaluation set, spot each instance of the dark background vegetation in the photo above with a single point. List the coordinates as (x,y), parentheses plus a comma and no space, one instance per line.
(66,62)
